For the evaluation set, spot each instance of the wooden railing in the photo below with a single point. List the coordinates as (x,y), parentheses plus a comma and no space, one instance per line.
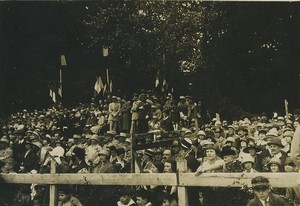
(180,179)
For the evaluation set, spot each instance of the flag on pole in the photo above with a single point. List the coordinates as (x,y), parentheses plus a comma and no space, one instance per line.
(63,61)
(110,86)
(97,86)
(54,97)
(50,92)
(60,90)
(101,82)
(104,89)
(105,51)
(163,87)
(157,82)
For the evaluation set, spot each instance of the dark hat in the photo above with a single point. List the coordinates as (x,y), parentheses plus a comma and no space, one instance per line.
(159,165)
(289,161)
(78,152)
(226,151)
(243,128)
(186,143)
(149,152)
(276,141)
(259,181)
(143,194)
(120,150)
(246,150)
(63,189)
(263,130)
(125,191)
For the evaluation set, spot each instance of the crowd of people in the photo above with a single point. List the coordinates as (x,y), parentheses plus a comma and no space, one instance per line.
(97,138)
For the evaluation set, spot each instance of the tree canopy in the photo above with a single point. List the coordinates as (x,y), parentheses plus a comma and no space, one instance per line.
(236,56)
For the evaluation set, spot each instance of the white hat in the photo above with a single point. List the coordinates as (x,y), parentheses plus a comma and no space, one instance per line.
(57,152)
(201,132)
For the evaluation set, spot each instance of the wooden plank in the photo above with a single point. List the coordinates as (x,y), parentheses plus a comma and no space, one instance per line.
(91,179)
(53,188)
(237,179)
(182,190)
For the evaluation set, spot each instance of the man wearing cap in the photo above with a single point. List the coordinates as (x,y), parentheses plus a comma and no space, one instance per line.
(104,165)
(65,198)
(147,159)
(275,150)
(114,111)
(263,194)
(231,163)
(125,197)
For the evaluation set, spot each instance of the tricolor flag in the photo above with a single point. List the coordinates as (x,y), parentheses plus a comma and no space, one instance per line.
(105,51)
(163,87)
(63,61)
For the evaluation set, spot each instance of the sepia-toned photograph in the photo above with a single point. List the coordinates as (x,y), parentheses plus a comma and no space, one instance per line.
(149,103)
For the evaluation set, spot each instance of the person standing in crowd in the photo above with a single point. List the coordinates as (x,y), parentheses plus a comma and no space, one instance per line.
(6,156)
(30,160)
(263,194)
(114,110)
(92,150)
(144,110)
(125,116)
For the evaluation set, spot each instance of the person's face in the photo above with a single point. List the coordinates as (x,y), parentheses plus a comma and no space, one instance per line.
(261,135)
(241,133)
(252,151)
(288,139)
(289,168)
(175,147)
(102,158)
(262,193)
(93,142)
(167,155)
(210,154)
(228,158)
(248,165)
(296,124)
(44,142)
(275,149)
(140,201)
(274,168)
(124,199)
(145,157)
(167,167)
(63,197)
(154,169)
(230,131)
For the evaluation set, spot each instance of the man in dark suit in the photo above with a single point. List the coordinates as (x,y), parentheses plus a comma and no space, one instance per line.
(274,150)
(263,194)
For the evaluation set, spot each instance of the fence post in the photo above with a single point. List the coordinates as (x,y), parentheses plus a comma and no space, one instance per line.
(53,188)
(181,190)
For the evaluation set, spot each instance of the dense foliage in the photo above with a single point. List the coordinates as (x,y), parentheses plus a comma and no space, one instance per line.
(235,57)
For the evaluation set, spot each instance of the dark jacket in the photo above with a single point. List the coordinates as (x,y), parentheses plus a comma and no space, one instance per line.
(275,200)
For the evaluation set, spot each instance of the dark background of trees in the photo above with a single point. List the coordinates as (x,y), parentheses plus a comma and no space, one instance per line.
(244,56)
